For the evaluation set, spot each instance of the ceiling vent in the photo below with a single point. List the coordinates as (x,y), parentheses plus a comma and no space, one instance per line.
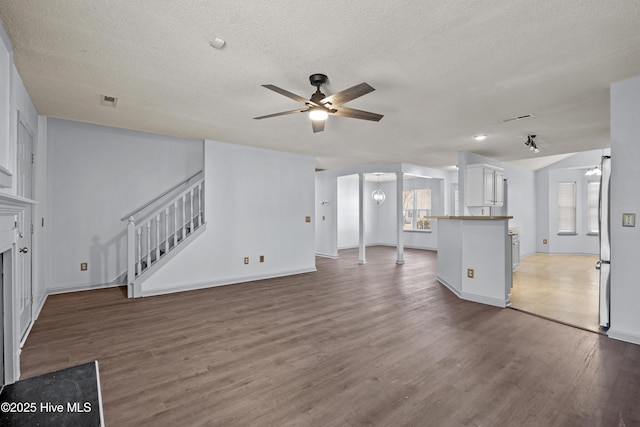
(108,101)
(513,119)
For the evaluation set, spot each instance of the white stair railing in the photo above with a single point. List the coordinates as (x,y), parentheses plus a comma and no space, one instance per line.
(154,235)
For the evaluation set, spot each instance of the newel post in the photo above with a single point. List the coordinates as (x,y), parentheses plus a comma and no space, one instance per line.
(131,256)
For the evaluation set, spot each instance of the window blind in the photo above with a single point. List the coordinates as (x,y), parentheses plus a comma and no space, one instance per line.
(566,207)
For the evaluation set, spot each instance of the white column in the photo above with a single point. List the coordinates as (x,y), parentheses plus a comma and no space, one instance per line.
(361,253)
(399,218)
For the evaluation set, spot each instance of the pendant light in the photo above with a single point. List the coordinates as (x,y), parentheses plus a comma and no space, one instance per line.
(378,195)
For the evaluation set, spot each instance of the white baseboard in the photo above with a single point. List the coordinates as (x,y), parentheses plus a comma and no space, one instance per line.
(391,245)
(326,255)
(496,302)
(624,336)
(38,307)
(223,282)
(83,287)
(449,286)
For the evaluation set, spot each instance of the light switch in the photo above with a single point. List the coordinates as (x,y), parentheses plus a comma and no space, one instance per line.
(628,220)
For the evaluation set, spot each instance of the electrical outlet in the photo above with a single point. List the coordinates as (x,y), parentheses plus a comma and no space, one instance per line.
(307,219)
(84,266)
(470,273)
(323,217)
(261,258)
(544,241)
(246,260)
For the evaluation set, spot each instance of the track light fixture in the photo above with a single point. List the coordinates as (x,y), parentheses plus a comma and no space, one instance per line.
(531,143)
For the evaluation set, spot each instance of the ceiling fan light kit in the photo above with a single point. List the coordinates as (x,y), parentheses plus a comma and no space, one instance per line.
(316,113)
(320,106)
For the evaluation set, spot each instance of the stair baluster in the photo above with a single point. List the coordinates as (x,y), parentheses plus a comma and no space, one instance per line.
(157,245)
(184,208)
(139,257)
(166,230)
(191,210)
(175,223)
(201,189)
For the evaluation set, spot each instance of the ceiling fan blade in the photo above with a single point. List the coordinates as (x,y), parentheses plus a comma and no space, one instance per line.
(318,125)
(289,94)
(284,113)
(357,114)
(347,95)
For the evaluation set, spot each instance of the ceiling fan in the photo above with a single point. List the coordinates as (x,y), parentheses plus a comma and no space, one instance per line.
(321,106)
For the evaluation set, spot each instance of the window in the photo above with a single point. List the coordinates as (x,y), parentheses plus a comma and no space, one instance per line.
(416,208)
(566,208)
(593,197)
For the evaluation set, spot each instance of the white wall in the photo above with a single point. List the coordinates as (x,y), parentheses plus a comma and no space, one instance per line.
(326,236)
(570,169)
(521,197)
(387,211)
(97,175)
(625,197)
(256,202)
(348,212)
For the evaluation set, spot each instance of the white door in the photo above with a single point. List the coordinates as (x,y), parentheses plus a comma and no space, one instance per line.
(24,183)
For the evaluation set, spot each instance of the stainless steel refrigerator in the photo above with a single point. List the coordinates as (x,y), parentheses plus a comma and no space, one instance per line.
(604,263)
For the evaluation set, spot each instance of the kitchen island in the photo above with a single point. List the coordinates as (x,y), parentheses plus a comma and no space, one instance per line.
(474,257)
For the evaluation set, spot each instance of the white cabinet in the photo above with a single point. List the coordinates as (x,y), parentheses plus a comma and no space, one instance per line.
(485,185)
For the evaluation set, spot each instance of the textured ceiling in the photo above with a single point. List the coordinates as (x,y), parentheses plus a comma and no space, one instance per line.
(443,71)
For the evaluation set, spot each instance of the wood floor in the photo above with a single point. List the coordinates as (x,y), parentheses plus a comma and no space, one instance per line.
(351,345)
(564,288)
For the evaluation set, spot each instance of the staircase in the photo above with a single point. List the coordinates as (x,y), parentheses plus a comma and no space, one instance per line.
(161,228)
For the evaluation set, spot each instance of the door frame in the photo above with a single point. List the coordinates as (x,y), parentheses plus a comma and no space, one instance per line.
(26,229)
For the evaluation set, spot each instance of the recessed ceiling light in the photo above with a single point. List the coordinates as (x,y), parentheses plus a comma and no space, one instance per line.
(480,137)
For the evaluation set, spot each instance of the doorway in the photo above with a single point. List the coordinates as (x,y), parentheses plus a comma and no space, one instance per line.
(562,288)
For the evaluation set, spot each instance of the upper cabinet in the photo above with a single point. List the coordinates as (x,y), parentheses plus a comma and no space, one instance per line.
(485,185)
